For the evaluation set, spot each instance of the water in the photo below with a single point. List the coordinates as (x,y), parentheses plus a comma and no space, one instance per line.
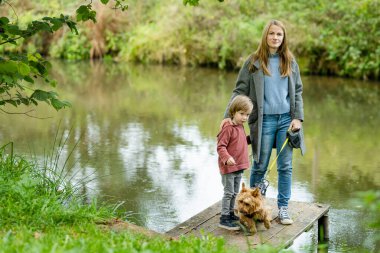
(145,136)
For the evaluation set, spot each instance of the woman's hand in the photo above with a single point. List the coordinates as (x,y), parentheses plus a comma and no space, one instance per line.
(295,125)
(223,122)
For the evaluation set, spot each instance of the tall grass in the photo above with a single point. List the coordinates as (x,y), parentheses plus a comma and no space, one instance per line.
(31,197)
(40,214)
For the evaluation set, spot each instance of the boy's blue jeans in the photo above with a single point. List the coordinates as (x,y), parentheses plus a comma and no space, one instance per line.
(274,129)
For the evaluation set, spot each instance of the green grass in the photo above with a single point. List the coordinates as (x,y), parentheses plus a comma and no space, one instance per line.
(38,214)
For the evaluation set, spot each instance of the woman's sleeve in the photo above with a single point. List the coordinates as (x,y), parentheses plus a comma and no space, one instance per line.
(298,95)
(242,85)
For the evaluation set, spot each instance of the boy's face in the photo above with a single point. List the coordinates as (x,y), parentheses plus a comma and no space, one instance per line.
(240,117)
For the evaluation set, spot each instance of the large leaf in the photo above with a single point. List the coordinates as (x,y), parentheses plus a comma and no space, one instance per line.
(57,22)
(4,21)
(28,79)
(58,104)
(85,13)
(8,67)
(23,69)
(42,95)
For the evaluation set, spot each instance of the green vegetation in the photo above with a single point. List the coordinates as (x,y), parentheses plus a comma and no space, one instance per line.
(41,214)
(337,38)
(22,64)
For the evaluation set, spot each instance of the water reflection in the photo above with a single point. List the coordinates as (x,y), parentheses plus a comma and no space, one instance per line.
(146,136)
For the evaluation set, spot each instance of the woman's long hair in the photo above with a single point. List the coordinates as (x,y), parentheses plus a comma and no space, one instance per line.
(262,53)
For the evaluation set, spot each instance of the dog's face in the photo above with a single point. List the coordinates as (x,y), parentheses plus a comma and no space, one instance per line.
(249,200)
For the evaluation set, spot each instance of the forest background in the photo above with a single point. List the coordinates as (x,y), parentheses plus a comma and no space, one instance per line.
(327,38)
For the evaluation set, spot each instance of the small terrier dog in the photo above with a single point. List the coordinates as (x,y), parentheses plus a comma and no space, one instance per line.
(250,207)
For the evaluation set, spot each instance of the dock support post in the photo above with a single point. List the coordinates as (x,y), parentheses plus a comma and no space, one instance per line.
(323,228)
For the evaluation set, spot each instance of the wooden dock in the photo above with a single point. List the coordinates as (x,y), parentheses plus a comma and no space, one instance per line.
(303,214)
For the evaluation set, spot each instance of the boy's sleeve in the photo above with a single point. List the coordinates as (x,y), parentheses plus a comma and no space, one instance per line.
(223,140)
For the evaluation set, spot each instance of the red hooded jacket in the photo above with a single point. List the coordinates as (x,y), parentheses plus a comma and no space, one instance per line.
(232,141)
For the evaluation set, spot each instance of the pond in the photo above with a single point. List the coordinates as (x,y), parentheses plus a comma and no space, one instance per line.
(145,136)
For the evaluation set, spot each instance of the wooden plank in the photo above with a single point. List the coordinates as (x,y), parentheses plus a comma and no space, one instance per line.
(303,214)
(195,221)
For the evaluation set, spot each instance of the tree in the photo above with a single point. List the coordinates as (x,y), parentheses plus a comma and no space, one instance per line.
(18,71)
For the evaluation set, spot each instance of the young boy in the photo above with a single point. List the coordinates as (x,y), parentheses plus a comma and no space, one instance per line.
(233,158)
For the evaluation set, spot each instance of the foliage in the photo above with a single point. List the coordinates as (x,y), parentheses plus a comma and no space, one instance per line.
(350,38)
(16,69)
(19,69)
(194,2)
(331,41)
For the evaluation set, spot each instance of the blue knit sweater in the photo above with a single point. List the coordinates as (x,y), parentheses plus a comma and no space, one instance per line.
(276,92)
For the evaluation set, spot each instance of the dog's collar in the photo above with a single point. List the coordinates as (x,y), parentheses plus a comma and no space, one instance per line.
(248,215)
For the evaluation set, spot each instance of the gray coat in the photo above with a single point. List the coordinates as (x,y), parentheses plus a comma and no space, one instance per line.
(252,85)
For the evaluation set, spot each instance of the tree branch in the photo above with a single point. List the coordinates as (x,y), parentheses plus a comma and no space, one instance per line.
(25,113)
(13,9)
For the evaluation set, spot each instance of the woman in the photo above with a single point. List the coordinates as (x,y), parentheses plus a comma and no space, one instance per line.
(271,78)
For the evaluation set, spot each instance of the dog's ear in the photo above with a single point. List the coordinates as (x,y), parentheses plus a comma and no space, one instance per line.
(255,192)
(243,189)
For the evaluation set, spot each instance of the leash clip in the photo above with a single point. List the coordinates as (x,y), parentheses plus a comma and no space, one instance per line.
(263,186)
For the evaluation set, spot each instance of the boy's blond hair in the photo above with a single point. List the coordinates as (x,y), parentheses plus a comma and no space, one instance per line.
(240,103)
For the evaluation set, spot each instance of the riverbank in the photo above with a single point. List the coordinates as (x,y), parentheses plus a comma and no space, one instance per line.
(339,38)
(39,213)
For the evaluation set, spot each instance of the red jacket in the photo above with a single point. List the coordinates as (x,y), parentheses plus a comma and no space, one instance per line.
(232,141)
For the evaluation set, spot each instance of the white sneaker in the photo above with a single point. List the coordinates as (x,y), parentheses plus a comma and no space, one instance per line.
(284,216)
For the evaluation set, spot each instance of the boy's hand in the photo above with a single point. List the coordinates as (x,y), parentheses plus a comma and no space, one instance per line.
(231,161)
(224,121)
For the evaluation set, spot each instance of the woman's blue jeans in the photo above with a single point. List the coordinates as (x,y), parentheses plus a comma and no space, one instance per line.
(274,130)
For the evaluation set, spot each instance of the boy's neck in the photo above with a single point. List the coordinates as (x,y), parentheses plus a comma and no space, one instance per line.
(234,122)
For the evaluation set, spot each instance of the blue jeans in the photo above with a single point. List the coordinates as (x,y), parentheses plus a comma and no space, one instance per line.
(274,130)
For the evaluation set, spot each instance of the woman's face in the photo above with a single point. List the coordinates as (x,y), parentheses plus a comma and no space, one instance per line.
(274,38)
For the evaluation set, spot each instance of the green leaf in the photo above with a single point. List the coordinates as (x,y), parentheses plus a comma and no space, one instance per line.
(57,22)
(58,104)
(53,83)
(8,67)
(4,20)
(85,13)
(8,79)
(32,58)
(12,29)
(104,1)
(28,79)
(23,69)
(25,101)
(191,2)
(12,102)
(41,95)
